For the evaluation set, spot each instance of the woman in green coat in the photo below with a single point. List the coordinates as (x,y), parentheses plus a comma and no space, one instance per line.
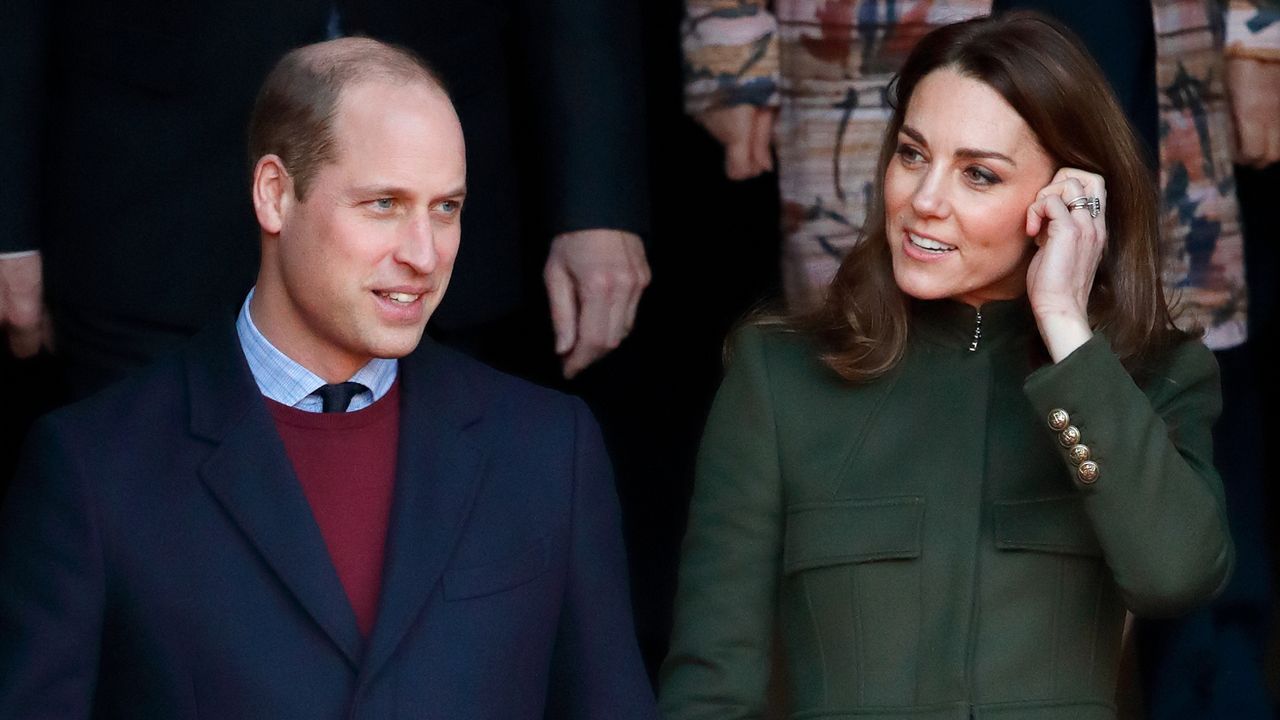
(942,491)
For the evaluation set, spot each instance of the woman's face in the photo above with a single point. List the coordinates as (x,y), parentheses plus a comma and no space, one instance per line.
(956,193)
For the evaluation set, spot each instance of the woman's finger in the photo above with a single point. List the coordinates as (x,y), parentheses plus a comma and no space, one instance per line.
(1055,210)
(1084,177)
(1093,186)
(1059,252)
(1069,189)
(1065,190)
(1072,184)
(1081,217)
(1035,219)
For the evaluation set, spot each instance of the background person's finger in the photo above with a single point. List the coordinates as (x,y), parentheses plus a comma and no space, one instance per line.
(1272,153)
(761,140)
(564,305)
(25,342)
(737,161)
(593,326)
(644,275)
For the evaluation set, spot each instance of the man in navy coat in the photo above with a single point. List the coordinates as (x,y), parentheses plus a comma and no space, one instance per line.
(302,516)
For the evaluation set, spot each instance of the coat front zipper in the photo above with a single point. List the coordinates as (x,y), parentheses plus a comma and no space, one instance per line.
(977,332)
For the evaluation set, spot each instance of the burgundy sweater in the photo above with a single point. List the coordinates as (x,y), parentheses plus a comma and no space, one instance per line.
(346,463)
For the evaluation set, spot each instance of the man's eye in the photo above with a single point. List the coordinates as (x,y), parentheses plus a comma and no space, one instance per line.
(450,206)
(385,203)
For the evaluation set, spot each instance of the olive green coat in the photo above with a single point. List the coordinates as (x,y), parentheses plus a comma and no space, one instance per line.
(924,543)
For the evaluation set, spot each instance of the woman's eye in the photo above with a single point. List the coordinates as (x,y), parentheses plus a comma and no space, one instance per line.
(981,176)
(909,154)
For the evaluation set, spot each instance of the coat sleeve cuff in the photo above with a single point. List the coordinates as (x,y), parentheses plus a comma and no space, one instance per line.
(1068,394)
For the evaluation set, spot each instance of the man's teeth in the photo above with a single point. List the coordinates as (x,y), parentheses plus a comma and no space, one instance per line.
(400,297)
(929,244)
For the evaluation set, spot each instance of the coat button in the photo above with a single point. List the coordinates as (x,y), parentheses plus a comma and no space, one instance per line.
(1078,453)
(1059,419)
(1069,436)
(1088,472)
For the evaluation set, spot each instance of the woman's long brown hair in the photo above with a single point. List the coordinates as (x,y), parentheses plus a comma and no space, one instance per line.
(1047,76)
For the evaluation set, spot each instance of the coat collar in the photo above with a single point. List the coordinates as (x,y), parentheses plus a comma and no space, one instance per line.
(438,465)
(964,327)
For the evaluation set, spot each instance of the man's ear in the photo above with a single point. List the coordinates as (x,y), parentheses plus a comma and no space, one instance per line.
(272,193)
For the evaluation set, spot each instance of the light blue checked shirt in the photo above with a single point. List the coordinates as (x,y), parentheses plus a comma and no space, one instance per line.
(285,381)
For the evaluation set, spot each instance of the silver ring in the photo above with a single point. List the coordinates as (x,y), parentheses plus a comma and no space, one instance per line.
(1092,204)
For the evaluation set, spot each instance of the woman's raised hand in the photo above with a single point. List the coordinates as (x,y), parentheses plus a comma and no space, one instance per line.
(1071,240)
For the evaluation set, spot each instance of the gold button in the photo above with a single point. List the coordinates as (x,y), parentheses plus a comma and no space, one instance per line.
(1088,472)
(1070,436)
(1078,453)
(1059,419)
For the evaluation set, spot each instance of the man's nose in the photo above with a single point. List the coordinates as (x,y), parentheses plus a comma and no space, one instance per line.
(417,247)
(931,197)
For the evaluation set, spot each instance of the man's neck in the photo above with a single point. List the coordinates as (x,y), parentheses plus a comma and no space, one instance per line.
(335,369)
(285,380)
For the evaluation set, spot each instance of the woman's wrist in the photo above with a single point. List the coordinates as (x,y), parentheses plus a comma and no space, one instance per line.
(1063,332)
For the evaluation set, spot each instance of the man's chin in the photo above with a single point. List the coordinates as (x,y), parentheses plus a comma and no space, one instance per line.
(398,343)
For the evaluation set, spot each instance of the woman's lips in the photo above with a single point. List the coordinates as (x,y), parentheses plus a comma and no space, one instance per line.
(924,248)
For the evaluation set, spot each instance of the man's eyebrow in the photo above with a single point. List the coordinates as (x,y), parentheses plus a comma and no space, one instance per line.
(397,191)
(380,191)
(961,152)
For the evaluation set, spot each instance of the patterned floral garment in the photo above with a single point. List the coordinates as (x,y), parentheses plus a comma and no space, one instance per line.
(827,63)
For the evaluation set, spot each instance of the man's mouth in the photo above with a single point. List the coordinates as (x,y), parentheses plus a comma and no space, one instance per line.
(929,244)
(402,298)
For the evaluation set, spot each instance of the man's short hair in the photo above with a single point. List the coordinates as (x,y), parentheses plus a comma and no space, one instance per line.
(295,110)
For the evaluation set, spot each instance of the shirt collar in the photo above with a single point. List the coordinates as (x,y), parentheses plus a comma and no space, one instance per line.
(285,381)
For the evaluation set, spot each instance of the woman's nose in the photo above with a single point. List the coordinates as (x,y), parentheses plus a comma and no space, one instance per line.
(930,196)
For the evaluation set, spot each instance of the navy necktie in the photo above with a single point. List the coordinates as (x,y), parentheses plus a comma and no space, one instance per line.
(336,398)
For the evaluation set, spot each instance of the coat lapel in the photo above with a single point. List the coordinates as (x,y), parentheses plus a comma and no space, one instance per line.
(438,466)
(250,475)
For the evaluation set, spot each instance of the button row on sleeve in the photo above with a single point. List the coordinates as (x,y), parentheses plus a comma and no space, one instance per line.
(1069,437)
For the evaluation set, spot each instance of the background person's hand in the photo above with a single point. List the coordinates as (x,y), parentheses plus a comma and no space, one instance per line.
(1060,276)
(745,131)
(1254,88)
(23,316)
(594,281)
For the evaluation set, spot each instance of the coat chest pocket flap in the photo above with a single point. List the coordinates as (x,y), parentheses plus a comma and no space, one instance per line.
(497,576)
(852,531)
(1056,525)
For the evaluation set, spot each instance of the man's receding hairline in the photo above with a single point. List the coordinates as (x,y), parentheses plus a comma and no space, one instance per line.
(359,59)
(301,97)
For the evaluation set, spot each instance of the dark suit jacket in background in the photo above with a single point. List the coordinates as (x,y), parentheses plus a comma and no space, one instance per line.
(122,148)
(158,559)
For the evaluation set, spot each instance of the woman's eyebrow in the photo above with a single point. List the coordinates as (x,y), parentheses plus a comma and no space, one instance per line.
(985,154)
(914,134)
(961,152)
